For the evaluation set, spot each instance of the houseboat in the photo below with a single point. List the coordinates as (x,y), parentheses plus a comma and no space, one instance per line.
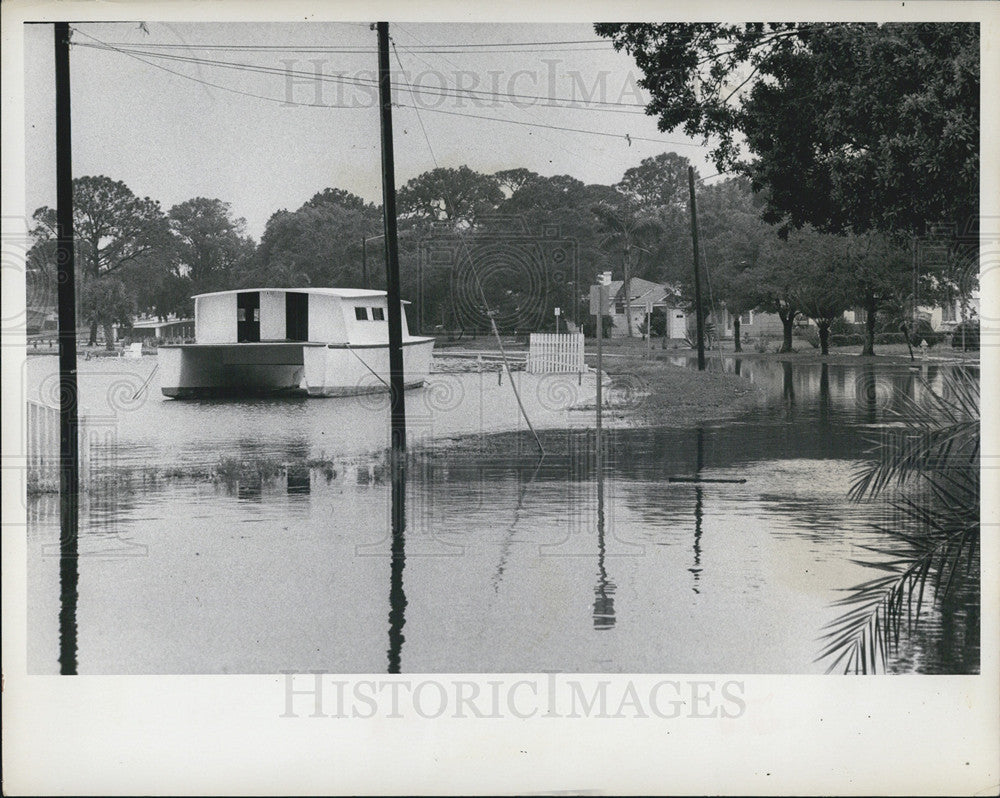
(306,341)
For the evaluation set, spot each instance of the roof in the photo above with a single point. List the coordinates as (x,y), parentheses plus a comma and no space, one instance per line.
(154,323)
(642,292)
(343,293)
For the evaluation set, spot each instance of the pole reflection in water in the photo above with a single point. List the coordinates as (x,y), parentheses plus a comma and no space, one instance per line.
(397,597)
(509,539)
(825,402)
(604,592)
(787,383)
(698,509)
(69,582)
(737,366)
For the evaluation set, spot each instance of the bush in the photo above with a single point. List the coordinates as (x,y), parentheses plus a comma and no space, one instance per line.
(810,335)
(851,339)
(971,340)
(924,332)
(840,326)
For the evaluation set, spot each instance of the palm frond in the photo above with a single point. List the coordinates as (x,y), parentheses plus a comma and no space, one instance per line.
(931,463)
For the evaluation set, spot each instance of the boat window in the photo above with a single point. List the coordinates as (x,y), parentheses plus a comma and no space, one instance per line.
(241,314)
(361,314)
(378,314)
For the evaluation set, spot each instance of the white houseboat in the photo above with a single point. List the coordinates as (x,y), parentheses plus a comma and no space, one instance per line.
(315,341)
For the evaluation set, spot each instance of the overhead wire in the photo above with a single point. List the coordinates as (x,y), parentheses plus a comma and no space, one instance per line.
(410,87)
(571,102)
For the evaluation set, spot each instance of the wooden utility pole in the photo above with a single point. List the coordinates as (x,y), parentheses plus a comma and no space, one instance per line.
(364,261)
(69,462)
(698,309)
(393,298)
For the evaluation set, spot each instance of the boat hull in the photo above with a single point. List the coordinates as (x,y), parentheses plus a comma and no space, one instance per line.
(197,371)
(341,370)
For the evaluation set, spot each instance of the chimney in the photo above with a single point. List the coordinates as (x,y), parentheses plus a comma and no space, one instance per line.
(604,278)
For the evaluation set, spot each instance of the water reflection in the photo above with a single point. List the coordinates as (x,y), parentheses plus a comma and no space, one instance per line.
(69,582)
(604,592)
(771,553)
(397,559)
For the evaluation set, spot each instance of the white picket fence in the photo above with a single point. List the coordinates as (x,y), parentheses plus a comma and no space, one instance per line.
(550,352)
(43,447)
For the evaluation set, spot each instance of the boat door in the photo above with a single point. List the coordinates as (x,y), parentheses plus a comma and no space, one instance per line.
(296,316)
(248,317)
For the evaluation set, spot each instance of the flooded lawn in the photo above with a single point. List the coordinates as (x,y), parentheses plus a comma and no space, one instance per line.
(510,563)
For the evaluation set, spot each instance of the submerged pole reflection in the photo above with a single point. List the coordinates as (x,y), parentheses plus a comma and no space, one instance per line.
(397,596)
(695,569)
(604,602)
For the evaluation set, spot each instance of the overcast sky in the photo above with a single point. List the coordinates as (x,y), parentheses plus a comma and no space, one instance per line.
(157,124)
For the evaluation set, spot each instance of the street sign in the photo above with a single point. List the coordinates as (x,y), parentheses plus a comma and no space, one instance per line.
(557,311)
(596,292)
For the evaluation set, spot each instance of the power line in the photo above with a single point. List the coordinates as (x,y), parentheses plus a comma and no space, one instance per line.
(626,136)
(286,102)
(500,47)
(472,94)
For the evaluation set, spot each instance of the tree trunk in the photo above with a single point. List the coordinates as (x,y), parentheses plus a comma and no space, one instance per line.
(787,319)
(738,346)
(93,334)
(824,337)
(869,348)
(109,337)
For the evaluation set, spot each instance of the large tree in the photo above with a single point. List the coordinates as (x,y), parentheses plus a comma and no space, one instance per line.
(627,231)
(212,244)
(117,236)
(455,196)
(657,181)
(849,126)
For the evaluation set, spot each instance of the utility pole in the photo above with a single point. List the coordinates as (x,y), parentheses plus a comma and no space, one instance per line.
(698,309)
(393,298)
(69,464)
(364,260)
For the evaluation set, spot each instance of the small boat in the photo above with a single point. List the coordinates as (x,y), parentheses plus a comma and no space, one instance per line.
(298,341)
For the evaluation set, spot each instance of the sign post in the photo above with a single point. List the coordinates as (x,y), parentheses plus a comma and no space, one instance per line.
(557,312)
(597,302)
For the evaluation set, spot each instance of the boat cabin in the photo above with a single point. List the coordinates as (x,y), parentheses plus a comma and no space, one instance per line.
(310,315)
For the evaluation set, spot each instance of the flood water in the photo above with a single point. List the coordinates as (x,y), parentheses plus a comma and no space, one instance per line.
(508,563)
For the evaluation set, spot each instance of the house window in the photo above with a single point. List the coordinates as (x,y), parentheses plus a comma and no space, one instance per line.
(378,314)
(948,312)
(746,318)
(361,314)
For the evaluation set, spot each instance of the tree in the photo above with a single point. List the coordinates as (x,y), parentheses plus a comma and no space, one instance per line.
(455,196)
(733,240)
(625,229)
(513,179)
(212,245)
(848,126)
(824,287)
(113,229)
(107,301)
(660,180)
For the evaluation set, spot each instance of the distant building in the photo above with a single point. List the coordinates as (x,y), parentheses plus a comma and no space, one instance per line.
(41,320)
(158,329)
(644,297)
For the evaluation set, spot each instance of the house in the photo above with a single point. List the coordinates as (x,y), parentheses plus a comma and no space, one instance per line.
(148,329)
(644,297)
(753,324)
(942,318)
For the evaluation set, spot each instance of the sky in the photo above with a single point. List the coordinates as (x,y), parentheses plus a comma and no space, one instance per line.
(256,128)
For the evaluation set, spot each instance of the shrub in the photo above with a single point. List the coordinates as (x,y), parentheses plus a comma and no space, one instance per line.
(810,335)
